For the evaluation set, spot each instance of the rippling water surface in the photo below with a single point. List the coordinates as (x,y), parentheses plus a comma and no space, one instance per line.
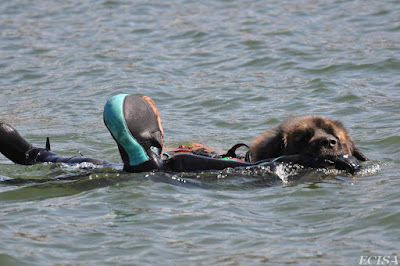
(220,72)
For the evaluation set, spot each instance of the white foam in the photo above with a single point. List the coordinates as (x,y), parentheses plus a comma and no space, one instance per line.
(284,171)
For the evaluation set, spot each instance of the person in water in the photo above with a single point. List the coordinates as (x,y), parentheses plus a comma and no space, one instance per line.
(135,125)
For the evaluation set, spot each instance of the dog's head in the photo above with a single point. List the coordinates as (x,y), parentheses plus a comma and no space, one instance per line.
(307,135)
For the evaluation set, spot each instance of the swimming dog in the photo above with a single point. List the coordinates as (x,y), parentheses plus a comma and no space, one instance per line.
(313,136)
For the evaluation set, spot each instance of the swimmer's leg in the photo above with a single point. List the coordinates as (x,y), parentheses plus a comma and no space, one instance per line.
(13,146)
(135,125)
(20,151)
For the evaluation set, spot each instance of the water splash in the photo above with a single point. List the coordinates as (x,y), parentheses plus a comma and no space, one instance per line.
(285,171)
(370,169)
(88,165)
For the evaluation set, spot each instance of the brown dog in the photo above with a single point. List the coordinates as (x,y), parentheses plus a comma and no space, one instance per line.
(307,135)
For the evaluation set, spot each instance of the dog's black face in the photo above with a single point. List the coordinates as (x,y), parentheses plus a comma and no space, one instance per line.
(315,136)
(308,135)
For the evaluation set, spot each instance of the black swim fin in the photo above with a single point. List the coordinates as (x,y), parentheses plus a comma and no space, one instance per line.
(48,144)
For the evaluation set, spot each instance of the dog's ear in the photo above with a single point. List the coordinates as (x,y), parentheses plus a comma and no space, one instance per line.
(358,154)
(270,145)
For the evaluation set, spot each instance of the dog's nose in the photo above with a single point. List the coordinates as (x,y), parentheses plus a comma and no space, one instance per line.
(330,142)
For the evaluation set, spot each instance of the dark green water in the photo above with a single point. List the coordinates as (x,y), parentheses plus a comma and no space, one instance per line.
(220,72)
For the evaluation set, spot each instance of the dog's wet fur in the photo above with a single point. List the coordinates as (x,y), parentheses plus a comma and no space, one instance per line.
(306,135)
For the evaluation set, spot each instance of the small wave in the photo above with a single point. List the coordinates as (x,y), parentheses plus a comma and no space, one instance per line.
(369,169)
(91,166)
(254,176)
(284,174)
(4,178)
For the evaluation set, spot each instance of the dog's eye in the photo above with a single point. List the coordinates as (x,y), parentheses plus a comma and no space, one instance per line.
(302,137)
(337,138)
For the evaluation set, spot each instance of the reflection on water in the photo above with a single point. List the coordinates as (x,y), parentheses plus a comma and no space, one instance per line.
(62,180)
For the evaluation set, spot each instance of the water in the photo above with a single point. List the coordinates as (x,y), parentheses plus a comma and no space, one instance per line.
(220,72)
